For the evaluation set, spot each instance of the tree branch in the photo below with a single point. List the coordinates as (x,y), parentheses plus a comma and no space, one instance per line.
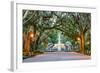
(26,13)
(28,18)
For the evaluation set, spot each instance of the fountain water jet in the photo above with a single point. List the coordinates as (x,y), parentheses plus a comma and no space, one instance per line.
(59,41)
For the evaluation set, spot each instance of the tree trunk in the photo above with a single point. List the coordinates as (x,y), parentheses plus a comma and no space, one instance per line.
(36,44)
(82,43)
(27,46)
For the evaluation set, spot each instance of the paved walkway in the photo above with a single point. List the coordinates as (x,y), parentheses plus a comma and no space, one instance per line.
(57,56)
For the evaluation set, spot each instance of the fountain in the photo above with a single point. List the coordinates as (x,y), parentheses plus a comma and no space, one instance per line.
(59,46)
(59,41)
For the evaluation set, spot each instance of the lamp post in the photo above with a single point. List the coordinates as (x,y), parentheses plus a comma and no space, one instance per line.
(31,35)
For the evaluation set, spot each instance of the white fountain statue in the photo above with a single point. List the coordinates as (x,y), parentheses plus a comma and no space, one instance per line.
(60,46)
(59,41)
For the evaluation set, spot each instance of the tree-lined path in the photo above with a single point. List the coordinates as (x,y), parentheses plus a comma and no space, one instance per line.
(56,35)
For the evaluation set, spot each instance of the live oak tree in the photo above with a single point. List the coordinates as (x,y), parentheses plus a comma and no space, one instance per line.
(41,22)
(80,24)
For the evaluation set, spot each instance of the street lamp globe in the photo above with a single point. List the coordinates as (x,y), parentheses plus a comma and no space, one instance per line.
(78,39)
(31,35)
